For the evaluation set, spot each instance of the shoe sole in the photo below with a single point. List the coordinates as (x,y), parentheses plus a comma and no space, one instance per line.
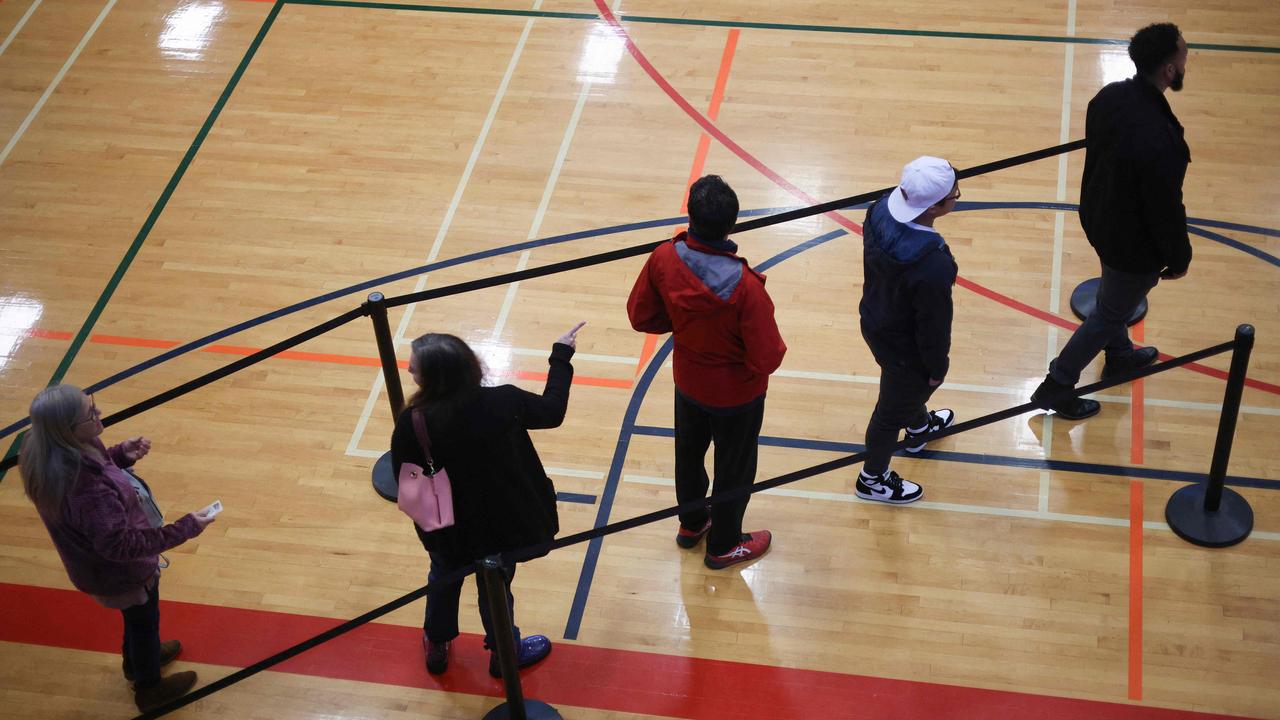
(1086,416)
(689,543)
(889,501)
(921,446)
(717,566)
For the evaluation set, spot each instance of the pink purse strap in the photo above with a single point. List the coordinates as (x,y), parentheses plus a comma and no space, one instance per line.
(420,429)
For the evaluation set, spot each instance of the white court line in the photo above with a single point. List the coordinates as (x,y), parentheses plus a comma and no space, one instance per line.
(573,472)
(1055,271)
(357,433)
(547,192)
(26,122)
(17,28)
(947,507)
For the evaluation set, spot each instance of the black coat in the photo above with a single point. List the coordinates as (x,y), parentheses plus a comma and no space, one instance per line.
(1131,192)
(502,497)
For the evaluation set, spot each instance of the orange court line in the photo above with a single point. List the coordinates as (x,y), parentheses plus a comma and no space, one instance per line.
(356,360)
(1137,406)
(1135,589)
(699,160)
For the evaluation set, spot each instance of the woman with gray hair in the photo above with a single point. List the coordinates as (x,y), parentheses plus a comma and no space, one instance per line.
(100,528)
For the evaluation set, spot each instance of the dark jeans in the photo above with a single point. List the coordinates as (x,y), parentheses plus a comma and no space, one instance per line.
(736,437)
(903,394)
(141,646)
(441,621)
(1106,327)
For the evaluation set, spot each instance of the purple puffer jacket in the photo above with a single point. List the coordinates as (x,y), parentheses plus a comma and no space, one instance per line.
(102,534)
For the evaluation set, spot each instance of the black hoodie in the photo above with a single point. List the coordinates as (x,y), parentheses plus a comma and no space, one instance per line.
(906,294)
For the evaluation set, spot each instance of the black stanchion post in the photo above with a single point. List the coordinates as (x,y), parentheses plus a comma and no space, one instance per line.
(1212,514)
(384,482)
(1085,298)
(516,707)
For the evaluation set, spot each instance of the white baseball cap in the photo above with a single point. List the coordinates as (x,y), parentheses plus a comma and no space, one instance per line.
(925,182)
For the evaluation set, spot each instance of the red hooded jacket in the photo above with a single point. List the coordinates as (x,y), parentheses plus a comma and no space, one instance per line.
(726,340)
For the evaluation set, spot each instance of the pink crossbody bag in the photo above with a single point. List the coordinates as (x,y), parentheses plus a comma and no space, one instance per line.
(425,495)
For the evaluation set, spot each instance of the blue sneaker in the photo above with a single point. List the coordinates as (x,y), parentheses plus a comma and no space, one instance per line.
(531,651)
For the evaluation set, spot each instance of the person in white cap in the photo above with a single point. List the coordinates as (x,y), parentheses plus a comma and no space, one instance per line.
(906,312)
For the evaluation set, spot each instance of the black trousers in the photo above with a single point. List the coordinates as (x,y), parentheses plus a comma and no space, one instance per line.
(903,394)
(736,437)
(440,622)
(1107,327)
(141,646)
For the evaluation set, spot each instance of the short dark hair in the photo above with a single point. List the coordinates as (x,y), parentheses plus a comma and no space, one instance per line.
(1153,46)
(713,208)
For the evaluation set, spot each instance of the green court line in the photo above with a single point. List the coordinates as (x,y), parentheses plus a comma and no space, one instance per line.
(159,207)
(1063,39)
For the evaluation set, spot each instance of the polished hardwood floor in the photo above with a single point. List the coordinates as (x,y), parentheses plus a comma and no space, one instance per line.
(173,169)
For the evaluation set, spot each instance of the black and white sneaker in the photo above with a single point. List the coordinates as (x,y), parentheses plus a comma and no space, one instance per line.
(888,488)
(938,419)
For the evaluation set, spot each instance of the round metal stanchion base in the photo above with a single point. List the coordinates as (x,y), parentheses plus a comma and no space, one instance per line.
(1085,298)
(384,481)
(1228,525)
(533,709)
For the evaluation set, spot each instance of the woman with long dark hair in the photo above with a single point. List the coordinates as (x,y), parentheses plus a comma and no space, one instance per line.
(502,497)
(100,528)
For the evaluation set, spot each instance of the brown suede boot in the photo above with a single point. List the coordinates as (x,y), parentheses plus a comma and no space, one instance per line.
(170,688)
(169,651)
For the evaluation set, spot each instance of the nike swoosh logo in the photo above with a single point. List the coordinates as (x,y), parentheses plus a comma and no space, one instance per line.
(881,491)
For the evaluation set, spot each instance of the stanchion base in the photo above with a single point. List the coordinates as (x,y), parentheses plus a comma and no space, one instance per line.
(1228,525)
(384,481)
(1085,298)
(533,709)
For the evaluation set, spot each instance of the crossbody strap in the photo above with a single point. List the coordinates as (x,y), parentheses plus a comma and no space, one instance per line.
(424,440)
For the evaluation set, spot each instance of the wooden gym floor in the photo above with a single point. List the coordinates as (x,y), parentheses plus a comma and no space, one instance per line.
(173,169)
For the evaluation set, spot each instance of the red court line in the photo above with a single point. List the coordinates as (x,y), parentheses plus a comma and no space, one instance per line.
(1137,407)
(845,222)
(577,675)
(1135,589)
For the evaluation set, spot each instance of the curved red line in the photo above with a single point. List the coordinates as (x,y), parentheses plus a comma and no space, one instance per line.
(845,222)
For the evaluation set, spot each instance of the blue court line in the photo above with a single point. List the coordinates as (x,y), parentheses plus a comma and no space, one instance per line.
(576,498)
(580,235)
(1192,223)
(845,448)
(614,478)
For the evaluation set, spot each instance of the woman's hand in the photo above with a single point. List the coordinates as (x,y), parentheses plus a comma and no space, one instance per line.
(136,449)
(571,338)
(202,520)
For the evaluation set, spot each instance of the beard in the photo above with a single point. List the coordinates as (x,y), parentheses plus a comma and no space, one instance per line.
(1176,84)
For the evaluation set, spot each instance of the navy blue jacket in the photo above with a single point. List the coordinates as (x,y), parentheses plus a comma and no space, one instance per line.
(906,294)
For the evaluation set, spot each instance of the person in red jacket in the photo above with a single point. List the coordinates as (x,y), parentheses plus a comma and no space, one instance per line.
(726,346)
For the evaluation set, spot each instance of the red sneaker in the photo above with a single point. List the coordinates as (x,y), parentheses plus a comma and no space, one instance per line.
(753,545)
(690,538)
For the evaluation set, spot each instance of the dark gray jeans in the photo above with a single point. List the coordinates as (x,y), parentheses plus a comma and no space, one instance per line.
(1106,328)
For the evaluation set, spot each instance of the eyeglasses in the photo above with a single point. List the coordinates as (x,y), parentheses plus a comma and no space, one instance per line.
(94,413)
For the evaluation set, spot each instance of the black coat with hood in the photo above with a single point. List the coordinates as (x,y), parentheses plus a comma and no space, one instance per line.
(906,307)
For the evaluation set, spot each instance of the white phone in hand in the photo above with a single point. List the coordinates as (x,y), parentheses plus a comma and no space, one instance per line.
(213,509)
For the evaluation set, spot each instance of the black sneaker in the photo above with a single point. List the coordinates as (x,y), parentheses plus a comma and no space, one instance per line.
(888,488)
(938,419)
(1139,358)
(1049,397)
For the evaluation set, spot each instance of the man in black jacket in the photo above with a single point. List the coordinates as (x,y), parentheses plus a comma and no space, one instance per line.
(1131,210)
(906,314)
